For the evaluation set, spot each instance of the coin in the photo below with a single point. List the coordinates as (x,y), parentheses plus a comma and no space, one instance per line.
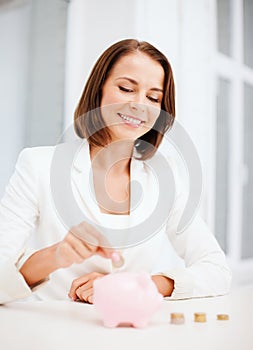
(117,260)
(222,317)
(200,317)
(177,318)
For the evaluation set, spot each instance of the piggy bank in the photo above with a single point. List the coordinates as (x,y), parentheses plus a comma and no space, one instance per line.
(128,298)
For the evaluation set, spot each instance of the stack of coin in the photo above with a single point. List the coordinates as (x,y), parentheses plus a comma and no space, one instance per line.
(176,318)
(200,317)
(222,317)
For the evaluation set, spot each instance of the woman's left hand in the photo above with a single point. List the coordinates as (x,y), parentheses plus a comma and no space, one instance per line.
(82,287)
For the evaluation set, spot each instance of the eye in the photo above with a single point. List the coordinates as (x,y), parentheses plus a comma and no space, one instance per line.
(153,99)
(122,88)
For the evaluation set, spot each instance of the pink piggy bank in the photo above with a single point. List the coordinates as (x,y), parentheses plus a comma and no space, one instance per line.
(126,298)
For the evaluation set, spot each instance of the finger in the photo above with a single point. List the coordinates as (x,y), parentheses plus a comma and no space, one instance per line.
(85,232)
(86,282)
(67,255)
(90,299)
(105,252)
(76,284)
(82,248)
(83,294)
(83,288)
(93,238)
(91,235)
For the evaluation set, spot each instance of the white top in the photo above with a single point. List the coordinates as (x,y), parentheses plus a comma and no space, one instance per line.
(45,196)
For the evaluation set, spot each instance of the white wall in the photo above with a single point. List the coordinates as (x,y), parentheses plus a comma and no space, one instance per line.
(14,41)
(92,27)
(196,101)
(32,43)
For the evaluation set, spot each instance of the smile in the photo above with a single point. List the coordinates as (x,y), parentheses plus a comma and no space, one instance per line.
(130,120)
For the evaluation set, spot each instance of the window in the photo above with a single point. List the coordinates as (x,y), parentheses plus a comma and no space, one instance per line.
(248,32)
(224,23)
(222,160)
(234,129)
(247,231)
(46,72)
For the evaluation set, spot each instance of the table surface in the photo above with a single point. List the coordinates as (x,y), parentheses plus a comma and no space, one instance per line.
(69,325)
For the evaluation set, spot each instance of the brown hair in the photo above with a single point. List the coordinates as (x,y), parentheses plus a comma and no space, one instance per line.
(88,121)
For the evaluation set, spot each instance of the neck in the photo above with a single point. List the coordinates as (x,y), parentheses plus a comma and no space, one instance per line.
(115,157)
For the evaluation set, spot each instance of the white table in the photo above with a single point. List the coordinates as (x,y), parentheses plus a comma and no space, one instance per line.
(60,325)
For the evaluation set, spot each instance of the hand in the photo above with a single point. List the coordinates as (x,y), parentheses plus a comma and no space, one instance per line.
(82,287)
(81,242)
(165,285)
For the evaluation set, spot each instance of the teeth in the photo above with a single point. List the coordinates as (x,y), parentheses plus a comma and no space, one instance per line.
(130,120)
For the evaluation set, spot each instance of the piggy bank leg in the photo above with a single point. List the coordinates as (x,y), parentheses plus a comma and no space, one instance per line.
(141,323)
(110,323)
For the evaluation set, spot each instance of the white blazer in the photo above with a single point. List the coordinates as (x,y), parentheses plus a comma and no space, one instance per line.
(50,191)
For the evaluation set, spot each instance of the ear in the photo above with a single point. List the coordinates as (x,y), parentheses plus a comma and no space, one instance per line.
(96,283)
(144,279)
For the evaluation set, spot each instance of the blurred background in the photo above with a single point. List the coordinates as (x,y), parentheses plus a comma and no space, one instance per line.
(48,47)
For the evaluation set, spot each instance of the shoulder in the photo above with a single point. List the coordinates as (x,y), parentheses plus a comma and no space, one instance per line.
(34,152)
(44,157)
(35,156)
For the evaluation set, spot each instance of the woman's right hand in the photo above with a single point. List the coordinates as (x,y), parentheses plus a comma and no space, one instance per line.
(80,243)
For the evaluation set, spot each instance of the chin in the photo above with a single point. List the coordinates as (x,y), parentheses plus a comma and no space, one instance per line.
(121,135)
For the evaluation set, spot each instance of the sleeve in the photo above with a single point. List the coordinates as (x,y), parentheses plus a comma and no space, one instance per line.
(19,212)
(206,272)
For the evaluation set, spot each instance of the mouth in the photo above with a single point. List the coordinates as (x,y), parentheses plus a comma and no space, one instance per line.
(131,121)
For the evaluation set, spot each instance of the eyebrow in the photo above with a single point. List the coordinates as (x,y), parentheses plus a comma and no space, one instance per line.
(136,83)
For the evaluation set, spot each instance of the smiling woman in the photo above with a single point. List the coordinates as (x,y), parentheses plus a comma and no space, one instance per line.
(126,107)
(133,75)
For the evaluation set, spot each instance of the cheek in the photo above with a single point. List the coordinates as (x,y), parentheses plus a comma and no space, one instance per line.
(110,96)
(154,114)
(107,99)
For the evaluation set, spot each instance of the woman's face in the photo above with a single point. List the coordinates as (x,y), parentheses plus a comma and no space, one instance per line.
(132,96)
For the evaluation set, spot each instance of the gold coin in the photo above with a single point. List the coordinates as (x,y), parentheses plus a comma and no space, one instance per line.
(200,317)
(177,318)
(222,317)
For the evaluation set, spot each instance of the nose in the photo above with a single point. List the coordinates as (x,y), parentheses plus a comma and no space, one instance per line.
(137,104)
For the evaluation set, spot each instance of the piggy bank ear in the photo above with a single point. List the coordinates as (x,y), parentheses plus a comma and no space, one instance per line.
(144,279)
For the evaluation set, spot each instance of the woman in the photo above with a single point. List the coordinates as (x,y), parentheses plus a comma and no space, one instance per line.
(126,107)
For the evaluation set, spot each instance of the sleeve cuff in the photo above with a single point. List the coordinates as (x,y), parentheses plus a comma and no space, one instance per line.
(183,283)
(12,284)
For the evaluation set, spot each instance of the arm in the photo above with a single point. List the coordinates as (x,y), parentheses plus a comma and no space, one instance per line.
(18,215)
(72,249)
(206,272)
(38,266)
(21,269)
